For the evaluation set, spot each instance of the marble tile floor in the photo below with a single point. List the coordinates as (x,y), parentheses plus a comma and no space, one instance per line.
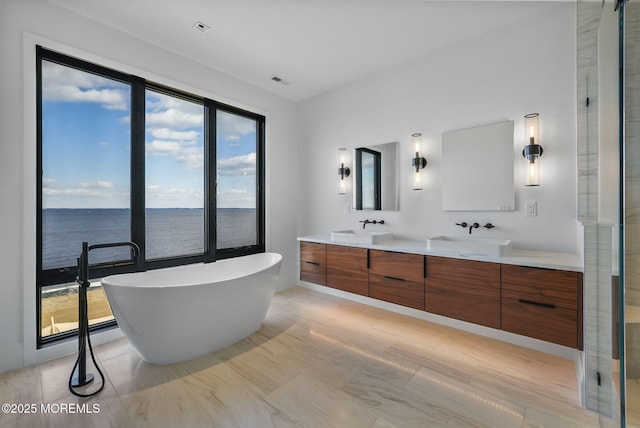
(318,361)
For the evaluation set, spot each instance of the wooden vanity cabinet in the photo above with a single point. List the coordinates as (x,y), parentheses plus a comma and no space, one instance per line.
(397,278)
(544,304)
(347,269)
(467,290)
(313,262)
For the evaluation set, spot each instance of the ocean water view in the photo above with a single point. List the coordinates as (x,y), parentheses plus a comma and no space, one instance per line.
(169,232)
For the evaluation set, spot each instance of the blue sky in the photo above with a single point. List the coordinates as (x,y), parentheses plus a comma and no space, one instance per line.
(86,147)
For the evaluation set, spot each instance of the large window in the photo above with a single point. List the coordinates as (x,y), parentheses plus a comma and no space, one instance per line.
(124,159)
(175,178)
(237,178)
(85,144)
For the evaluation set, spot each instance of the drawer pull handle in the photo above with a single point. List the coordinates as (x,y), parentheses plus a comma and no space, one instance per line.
(313,263)
(544,305)
(394,278)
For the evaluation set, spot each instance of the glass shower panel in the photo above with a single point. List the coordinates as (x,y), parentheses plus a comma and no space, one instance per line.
(631,237)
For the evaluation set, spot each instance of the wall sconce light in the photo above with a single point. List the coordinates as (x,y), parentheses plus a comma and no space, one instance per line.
(343,171)
(533,150)
(418,162)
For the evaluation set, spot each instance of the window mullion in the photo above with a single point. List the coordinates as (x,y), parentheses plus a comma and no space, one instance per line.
(210,181)
(261,184)
(138,217)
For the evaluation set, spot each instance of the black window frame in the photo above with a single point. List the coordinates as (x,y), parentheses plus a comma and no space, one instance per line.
(211,253)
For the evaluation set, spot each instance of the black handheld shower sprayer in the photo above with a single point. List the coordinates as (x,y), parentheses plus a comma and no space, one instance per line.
(83,378)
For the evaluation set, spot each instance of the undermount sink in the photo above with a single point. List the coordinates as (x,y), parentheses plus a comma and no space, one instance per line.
(470,246)
(361,237)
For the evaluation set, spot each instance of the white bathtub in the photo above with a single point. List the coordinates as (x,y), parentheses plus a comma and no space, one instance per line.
(182,313)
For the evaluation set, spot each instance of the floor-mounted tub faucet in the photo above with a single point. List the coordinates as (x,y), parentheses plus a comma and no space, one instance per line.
(84,340)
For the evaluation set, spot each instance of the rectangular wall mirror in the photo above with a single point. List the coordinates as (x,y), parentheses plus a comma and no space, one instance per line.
(477,168)
(375,178)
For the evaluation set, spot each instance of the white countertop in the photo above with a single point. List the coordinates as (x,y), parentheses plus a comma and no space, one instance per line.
(540,259)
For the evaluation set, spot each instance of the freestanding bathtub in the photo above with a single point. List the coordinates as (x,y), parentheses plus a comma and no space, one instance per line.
(182,313)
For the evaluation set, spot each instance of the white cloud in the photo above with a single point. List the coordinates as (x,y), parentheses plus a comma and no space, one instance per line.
(97,185)
(104,184)
(171,122)
(238,166)
(169,112)
(163,148)
(238,191)
(236,198)
(98,194)
(182,151)
(170,134)
(109,98)
(159,197)
(60,83)
(232,127)
(88,190)
(174,118)
(83,191)
(192,157)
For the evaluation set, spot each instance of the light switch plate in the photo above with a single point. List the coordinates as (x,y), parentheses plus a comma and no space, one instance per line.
(531,209)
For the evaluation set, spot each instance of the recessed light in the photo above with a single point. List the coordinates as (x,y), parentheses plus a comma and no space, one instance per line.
(201,26)
(280,80)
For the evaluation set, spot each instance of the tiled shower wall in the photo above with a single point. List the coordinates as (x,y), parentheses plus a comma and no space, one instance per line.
(598,387)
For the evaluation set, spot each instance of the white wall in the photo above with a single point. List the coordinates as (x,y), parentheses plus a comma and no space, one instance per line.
(526,67)
(24,23)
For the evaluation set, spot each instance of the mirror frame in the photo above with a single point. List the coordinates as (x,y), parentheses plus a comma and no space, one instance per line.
(377,178)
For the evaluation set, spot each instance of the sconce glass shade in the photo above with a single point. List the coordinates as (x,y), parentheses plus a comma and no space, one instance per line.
(531,128)
(418,162)
(533,150)
(343,171)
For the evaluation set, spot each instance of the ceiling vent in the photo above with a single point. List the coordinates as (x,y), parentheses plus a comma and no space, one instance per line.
(280,80)
(201,26)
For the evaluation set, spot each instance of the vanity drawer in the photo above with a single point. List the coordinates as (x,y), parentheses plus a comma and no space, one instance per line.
(553,324)
(313,252)
(405,266)
(549,287)
(397,290)
(545,304)
(347,269)
(313,262)
(467,290)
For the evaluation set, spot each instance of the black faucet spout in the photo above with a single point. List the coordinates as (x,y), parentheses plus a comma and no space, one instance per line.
(83,260)
(473,226)
(366,222)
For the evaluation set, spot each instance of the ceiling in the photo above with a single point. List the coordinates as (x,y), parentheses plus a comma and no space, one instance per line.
(314,45)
